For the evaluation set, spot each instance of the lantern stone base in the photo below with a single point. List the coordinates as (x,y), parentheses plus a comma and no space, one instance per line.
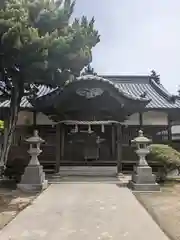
(33,179)
(143,180)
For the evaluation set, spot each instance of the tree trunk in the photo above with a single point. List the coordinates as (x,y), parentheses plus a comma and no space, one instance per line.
(16,96)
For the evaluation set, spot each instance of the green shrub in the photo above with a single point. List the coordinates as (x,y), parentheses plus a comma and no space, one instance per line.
(167,157)
(15,169)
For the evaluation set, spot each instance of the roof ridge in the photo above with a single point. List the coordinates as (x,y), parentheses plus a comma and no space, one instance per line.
(106,80)
(162,91)
(124,76)
(128,79)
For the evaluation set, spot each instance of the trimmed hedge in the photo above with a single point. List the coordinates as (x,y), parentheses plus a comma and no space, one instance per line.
(168,158)
(15,169)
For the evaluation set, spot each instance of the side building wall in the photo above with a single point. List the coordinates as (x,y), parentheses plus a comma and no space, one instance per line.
(148,118)
(151,122)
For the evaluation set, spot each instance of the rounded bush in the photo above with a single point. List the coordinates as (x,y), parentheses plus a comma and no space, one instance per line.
(15,168)
(167,157)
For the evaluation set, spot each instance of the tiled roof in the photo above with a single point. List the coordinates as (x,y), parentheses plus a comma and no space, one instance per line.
(106,80)
(157,100)
(43,90)
(160,97)
(133,87)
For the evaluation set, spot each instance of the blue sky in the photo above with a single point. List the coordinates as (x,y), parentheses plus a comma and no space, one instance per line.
(136,37)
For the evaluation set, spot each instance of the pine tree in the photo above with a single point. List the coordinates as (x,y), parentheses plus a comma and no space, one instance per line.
(39,45)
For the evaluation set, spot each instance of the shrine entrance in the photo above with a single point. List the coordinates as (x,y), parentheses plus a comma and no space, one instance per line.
(88,143)
(88,112)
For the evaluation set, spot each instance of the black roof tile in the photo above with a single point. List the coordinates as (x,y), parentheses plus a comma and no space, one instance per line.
(131,86)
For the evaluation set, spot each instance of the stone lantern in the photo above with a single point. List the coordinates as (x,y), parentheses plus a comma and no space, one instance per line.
(33,178)
(142,178)
(142,151)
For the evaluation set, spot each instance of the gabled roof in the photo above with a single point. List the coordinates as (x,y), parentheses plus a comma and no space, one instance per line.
(108,81)
(141,88)
(145,85)
(43,90)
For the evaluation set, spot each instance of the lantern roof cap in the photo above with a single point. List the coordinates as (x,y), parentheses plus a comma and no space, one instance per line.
(35,138)
(141,138)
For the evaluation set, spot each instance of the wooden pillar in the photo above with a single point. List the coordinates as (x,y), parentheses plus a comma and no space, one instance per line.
(113,142)
(140,120)
(58,147)
(34,119)
(62,140)
(169,129)
(119,148)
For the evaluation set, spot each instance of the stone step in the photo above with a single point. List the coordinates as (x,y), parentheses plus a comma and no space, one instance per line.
(119,181)
(88,171)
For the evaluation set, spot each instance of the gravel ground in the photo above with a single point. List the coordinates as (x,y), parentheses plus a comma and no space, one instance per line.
(11,203)
(164,207)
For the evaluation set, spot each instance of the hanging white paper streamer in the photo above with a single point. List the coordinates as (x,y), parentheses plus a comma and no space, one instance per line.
(102,128)
(89,129)
(76,129)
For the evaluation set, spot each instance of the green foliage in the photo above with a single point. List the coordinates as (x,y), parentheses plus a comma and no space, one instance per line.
(1,125)
(15,169)
(37,37)
(39,45)
(167,157)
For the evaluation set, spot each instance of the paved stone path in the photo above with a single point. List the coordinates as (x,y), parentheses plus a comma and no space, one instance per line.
(84,212)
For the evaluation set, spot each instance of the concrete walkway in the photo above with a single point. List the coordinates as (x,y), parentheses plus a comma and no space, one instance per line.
(84,212)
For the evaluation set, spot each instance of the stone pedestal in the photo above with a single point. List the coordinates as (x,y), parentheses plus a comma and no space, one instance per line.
(143,180)
(33,179)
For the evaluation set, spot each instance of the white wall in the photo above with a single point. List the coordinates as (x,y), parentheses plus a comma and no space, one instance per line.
(155,118)
(175,129)
(42,119)
(25,118)
(132,120)
(148,118)
(175,132)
